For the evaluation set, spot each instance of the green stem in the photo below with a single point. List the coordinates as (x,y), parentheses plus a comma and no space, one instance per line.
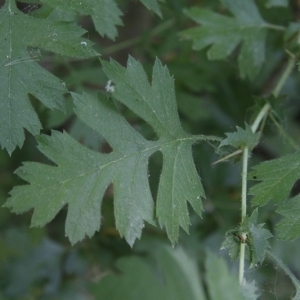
(288,70)
(275,27)
(244,212)
(242,261)
(261,115)
(263,112)
(244,182)
(228,156)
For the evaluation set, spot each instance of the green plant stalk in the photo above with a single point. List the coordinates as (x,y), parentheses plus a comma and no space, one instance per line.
(285,75)
(261,115)
(244,212)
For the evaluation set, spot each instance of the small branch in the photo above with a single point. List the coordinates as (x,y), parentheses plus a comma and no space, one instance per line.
(228,156)
(275,27)
(288,70)
(263,112)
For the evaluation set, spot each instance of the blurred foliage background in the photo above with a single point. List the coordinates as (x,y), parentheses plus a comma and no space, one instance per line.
(40,263)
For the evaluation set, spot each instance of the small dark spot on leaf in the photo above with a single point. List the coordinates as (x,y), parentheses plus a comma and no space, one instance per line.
(254,177)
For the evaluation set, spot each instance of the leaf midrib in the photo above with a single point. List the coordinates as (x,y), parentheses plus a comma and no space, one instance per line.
(150,149)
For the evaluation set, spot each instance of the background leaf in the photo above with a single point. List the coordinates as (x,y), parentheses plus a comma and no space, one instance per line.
(221,284)
(288,272)
(20,75)
(289,227)
(223,34)
(177,278)
(105,13)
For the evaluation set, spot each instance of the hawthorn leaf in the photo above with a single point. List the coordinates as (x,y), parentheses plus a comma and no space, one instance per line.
(232,243)
(256,242)
(81,175)
(257,238)
(22,36)
(156,104)
(277,179)
(152,5)
(289,227)
(105,13)
(223,34)
(288,272)
(241,138)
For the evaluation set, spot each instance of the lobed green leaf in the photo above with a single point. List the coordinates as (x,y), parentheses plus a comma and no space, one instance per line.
(258,238)
(256,242)
(152,5)
(241,138)
(81,176)
(105,13)
(20,75)
(232,243)
(277,179)
(223,34)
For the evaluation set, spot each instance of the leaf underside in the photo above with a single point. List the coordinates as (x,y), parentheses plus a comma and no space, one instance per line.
(81,175)
(20,75)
